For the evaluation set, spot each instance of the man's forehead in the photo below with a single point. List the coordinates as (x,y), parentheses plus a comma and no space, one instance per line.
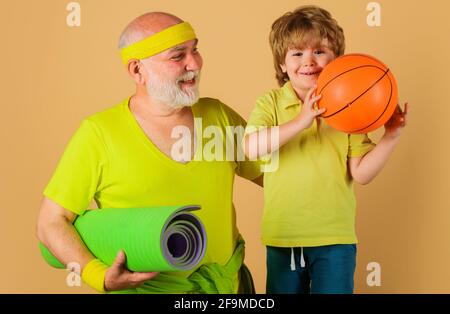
(184,45)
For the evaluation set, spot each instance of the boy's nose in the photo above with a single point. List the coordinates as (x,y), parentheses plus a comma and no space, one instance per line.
(308,61)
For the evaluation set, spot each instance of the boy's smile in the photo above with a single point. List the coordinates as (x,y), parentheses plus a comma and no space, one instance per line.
(303,66)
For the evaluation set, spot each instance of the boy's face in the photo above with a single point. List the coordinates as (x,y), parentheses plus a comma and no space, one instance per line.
(304,64)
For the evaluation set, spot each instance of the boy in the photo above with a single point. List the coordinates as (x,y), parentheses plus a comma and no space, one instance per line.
(309,211)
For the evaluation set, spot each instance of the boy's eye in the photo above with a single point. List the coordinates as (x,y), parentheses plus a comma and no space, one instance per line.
(319,52)
(298,54)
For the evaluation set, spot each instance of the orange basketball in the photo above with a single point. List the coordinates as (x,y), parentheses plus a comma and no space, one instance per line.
(359,93)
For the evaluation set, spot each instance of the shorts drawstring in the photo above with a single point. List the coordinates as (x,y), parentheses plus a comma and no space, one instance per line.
(292,259)
(302,259)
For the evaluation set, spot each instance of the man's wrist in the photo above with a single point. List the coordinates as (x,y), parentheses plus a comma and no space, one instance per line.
(94,274)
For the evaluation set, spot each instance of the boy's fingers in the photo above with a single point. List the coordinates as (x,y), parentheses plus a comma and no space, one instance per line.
(318,112)
(309,93)
(310,101)
(315,98)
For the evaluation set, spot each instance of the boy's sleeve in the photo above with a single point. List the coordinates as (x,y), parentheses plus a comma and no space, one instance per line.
(359,145)
(79,171)
(262,115)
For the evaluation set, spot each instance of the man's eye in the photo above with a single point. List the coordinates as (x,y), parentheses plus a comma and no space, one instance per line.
(195,50)
(177,57)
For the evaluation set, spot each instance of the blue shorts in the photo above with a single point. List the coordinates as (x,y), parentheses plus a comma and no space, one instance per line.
(320,269)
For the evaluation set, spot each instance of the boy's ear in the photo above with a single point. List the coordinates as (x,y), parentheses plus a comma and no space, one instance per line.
(283,68)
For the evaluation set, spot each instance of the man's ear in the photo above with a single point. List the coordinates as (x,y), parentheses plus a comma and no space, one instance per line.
(136,71)
(283,67)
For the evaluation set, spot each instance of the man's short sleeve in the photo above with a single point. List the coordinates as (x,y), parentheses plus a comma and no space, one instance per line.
(245,168)
(79,171)
(359,145)
(263,115)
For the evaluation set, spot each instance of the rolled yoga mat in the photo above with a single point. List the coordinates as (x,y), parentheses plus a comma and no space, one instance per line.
(167,238)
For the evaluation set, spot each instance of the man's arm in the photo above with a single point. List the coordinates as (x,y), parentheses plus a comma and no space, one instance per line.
(56,231)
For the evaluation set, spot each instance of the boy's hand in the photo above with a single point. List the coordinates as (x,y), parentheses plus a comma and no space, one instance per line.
(396,123)
(309,112)
(118,277)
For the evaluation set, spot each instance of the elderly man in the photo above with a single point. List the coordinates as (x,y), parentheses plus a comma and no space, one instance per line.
(123,158)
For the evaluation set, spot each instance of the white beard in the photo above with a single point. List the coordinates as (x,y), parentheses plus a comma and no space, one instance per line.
(170,93)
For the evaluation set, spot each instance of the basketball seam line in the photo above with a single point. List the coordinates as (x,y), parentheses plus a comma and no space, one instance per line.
(361,66)
(385,108)
(348,105)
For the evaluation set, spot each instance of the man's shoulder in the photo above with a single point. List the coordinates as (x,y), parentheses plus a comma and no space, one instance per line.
(215,108)
(210,103)
(210,106)
(109,116)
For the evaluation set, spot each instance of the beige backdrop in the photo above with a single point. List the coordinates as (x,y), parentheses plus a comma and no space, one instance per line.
(54,75)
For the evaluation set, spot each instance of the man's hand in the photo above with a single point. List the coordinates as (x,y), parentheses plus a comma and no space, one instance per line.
(118,277)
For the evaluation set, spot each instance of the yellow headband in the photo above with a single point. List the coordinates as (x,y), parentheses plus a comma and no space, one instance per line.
(158,42)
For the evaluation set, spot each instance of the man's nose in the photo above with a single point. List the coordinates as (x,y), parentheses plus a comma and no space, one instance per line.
(194,62)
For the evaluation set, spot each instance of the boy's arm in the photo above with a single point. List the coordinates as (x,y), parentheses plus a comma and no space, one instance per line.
(259,143)
(259,180)
(365,169)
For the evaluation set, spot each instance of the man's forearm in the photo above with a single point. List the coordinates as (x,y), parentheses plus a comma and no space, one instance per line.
(61,238)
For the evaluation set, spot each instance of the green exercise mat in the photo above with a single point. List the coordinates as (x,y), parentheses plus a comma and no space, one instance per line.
(167,238)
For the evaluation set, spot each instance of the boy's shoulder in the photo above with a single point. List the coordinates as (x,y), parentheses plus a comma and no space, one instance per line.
(276,96)
(272,94)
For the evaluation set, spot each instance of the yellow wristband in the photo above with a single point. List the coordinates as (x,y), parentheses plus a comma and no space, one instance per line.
(94,274)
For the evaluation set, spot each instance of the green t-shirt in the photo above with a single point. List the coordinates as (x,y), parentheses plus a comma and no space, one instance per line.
(111,160)
(309,199)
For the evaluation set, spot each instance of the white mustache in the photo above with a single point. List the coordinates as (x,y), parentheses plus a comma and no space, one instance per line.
(188,76)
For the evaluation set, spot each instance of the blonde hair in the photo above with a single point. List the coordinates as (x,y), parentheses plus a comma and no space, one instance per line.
(305,25)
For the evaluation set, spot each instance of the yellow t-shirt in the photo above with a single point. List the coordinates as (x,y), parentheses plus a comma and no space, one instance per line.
(111,160)
(309,199)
